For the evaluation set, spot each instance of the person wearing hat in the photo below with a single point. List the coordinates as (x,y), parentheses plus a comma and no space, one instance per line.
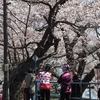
(65,81)
(76,88)
(44,86)
(29,85)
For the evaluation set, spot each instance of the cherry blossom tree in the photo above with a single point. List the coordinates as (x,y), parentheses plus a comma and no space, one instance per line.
(66,31)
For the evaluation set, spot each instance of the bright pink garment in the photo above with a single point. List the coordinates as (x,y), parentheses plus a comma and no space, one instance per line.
(0,96)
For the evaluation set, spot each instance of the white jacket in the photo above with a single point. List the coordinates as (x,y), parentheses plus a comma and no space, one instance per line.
(30,82)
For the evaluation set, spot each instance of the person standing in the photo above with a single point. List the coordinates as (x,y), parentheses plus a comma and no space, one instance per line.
(30,83)
(0,96)
(76,88)
(65,81)
(44,86)
(23,87)
(38,83)
(98,93)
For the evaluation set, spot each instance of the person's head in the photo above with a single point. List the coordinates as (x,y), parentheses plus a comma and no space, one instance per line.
(65,67)
(47,67)
(30,70)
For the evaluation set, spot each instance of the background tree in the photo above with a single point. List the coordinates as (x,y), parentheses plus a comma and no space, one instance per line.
(66,31)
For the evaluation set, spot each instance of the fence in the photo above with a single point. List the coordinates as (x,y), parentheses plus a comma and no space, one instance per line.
(57,95)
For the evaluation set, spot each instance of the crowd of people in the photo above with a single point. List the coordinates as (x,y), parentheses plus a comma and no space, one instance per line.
(44,77)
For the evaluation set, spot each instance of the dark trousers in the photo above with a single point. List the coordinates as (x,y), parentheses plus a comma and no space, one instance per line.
(38,95)
(28,96)
(44,93)
(64,96)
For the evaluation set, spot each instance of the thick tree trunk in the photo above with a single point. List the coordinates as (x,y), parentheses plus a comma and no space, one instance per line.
(16,79)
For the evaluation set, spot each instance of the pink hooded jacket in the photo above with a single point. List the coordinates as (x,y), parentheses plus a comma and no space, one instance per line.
(65,81)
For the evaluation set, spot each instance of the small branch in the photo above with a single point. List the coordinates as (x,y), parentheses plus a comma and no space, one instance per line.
(47,56)
(37,2)
(20,47)
(16,17)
